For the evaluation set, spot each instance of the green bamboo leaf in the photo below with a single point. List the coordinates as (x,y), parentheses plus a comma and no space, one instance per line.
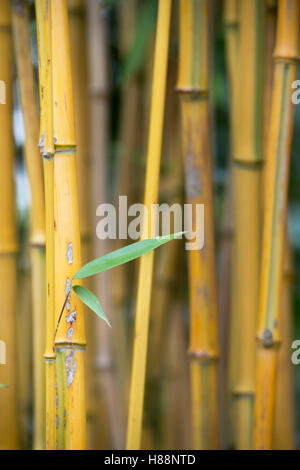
(123,255)
(89,299)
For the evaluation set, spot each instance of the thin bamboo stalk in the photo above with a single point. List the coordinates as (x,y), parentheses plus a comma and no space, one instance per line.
(175,429)
(284,427)
(168,261)
(284,421)
(70,337)
(107,393)
(21,29)
(247,212)
(195,114)
(43,19)
(151,193)
(125,184)
(24,348)
(9,438)
(286,55)
(227,313)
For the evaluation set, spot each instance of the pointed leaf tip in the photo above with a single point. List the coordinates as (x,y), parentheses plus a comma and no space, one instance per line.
(89,299)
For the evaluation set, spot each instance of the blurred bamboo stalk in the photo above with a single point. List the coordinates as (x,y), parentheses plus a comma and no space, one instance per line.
(193,87)
(24,347)
(227,313)
(108,393)
(167,264)
(286,56)
(46,145)
(9,429)
(125,185)
(175,428)
(70,337)
(247,214)
(22,43)
(136,397)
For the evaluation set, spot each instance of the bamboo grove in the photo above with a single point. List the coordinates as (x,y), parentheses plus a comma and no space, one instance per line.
(125,124)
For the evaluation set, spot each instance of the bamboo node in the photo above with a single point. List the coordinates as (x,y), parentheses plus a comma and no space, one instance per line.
(192,93)
(202,356)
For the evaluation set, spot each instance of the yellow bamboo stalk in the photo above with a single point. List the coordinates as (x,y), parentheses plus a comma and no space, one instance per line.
(168,261)
(284,421)
(70,337)
(195,115)
(247,186)
(21,29)
(151,192)
(43,19)
(9,438)
(286,55)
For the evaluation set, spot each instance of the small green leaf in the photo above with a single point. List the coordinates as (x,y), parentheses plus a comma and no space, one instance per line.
(89,299)
(123,255)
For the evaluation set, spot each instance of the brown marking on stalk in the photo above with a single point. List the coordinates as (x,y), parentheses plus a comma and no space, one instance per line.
(194,184)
